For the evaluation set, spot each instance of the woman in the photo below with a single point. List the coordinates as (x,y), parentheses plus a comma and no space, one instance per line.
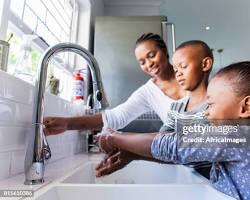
(156,95)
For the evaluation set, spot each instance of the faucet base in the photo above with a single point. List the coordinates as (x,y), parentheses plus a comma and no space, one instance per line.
(33,182)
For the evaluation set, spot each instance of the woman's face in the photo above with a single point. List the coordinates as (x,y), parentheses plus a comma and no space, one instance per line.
(152,59)
(222,101)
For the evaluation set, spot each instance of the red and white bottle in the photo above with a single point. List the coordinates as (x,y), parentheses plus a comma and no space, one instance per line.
(78,87)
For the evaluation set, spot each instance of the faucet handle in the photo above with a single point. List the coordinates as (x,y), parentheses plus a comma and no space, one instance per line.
(98,95)
(89,101)
(47,153)
(46,149)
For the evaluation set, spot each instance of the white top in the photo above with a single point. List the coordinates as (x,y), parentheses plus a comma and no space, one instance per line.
(148,97)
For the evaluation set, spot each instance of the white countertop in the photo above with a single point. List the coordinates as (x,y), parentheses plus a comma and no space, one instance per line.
(53,171)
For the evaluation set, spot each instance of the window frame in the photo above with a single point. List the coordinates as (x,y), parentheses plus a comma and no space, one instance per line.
(6,16)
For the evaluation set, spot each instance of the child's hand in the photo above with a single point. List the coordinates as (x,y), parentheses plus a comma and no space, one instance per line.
(105,163)
(114,161)
(104,142)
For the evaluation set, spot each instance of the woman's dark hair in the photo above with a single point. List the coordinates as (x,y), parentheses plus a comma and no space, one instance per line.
(238,75)
(153,37)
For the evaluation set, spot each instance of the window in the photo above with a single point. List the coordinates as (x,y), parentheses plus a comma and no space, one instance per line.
(52,21)
(14,53)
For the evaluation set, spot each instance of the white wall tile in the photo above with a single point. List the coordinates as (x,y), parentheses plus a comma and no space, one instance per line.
(5,165)
(54,140)
(7,111)
(16,101)
(16,89)
(2,83)
(24,114)
(12,138)
(54,106)
(17,162)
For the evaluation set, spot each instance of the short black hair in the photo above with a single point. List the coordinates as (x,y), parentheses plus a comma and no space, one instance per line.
(238,75)
(153,37)
(207,51)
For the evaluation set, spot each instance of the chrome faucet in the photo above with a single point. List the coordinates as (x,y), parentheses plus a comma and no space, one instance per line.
(38,149)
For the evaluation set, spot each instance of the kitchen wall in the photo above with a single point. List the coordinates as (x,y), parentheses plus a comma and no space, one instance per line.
(16,107)
(91,8)
(84,24)
(132,10)
(228,32)
(88,9)
(3,23)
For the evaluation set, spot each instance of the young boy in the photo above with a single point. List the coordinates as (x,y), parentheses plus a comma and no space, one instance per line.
(228,97)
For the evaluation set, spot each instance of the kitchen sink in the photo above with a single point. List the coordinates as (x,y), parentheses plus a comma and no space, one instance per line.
(137,172)
(140,180)
(133,192)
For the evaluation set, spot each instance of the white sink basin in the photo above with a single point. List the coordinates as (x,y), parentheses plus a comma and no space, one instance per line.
(133,192)
(140,180)
(137,172)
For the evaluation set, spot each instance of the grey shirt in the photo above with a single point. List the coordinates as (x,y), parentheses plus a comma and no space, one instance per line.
(178,111)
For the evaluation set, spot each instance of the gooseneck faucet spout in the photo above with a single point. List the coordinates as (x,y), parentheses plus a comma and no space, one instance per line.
(38,149)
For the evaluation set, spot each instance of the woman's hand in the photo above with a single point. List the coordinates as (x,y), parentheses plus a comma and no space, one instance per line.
(55,125)
(114,161)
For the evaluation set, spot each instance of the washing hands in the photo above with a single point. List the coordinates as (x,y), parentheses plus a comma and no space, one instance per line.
(114,161)
(115,158)
(104,140)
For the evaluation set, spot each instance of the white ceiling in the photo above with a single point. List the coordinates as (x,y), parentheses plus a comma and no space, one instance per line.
(229,21)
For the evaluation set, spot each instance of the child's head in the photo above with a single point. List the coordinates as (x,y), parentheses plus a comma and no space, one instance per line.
(192,63)
(229,92)
(152,55)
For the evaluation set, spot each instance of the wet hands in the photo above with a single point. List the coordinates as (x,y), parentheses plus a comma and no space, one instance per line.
(115,158)
(104,140)
(55,125)
(114,161)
